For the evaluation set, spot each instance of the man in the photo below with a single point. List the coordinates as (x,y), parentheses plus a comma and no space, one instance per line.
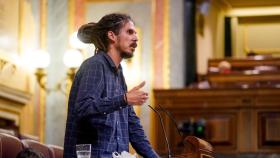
(100,109)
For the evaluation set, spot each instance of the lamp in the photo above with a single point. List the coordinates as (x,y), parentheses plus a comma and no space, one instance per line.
(2,64)
(72,59)
(40,61)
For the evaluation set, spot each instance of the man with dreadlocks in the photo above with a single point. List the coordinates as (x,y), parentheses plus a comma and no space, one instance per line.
(100,110)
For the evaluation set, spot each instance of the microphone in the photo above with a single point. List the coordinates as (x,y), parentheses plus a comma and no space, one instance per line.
(164,132)
(171,117)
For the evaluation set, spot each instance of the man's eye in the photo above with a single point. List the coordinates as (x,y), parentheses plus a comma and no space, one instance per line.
(130,31)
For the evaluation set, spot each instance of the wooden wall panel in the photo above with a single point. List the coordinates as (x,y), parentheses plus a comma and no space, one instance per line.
(269,128)
(236,120)
(220,130)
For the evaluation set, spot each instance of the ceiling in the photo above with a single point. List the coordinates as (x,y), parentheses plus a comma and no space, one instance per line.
(251,3)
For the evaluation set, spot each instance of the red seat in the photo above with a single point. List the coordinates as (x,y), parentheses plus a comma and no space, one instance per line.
(43,148)
(57,150)
(10,146)
(7,131)
(28,136)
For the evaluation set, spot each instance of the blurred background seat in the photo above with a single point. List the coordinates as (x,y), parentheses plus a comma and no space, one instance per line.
(43,148)
(28,136)
(10,146)
(57,150)
(7,131)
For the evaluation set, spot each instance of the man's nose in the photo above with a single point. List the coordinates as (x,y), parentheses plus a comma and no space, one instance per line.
(135,38)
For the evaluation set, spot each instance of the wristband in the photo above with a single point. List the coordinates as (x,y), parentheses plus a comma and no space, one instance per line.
(125,97)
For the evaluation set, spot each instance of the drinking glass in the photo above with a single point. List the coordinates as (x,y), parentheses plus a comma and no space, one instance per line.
(83,150)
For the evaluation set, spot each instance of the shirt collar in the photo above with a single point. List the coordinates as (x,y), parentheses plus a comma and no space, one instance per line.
(110,61)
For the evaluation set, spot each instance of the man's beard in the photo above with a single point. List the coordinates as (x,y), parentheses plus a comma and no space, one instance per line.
(126,55)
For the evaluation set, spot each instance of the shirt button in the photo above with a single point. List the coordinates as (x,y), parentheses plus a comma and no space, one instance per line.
(120,107)
(118,138)
(117,122)
(104,113)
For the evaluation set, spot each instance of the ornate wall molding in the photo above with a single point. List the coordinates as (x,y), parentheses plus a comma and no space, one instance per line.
(14,95)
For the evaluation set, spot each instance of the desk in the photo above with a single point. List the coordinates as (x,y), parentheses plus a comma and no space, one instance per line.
(237,120)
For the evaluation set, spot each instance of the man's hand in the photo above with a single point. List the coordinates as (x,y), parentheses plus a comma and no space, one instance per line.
(135,96)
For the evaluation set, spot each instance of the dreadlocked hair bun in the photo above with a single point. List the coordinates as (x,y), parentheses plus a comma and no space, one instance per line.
(96,33)
(92,33)
(85,32)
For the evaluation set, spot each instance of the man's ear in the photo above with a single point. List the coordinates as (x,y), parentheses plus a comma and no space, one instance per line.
(111,35)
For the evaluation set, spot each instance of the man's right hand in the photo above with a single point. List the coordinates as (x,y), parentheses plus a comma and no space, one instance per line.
(135,96)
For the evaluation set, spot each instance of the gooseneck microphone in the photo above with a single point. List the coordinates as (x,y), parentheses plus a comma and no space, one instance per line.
(172,118)
(164,132)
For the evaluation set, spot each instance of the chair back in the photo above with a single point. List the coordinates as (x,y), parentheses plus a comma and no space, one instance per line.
(42,148)
(57,150)
(28,136)
(10,146)
(7,131)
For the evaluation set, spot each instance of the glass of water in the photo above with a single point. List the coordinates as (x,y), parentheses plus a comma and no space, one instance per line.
(83,150)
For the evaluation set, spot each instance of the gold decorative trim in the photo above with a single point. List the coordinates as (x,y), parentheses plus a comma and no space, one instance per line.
(43,23)
(71,8)
(263,51)
(42,109)
(10,116)
(166,54)
(245,38)
(255,11)
(14,95)
(98,1)
(152,133)
(246,48)
(20,12)
(42,95)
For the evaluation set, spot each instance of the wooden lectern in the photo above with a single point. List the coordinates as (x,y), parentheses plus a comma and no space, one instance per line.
(196,148)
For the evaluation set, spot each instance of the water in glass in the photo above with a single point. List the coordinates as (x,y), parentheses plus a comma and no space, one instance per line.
(83,150)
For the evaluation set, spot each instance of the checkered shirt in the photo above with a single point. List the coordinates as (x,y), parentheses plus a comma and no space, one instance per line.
(98,113)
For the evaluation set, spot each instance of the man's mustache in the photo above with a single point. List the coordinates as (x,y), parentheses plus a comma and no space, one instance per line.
(134,45)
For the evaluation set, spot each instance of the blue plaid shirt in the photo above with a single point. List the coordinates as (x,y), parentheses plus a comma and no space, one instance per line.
(98,114)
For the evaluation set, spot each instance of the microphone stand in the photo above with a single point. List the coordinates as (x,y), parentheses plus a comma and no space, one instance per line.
(164,132)
(172,118)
